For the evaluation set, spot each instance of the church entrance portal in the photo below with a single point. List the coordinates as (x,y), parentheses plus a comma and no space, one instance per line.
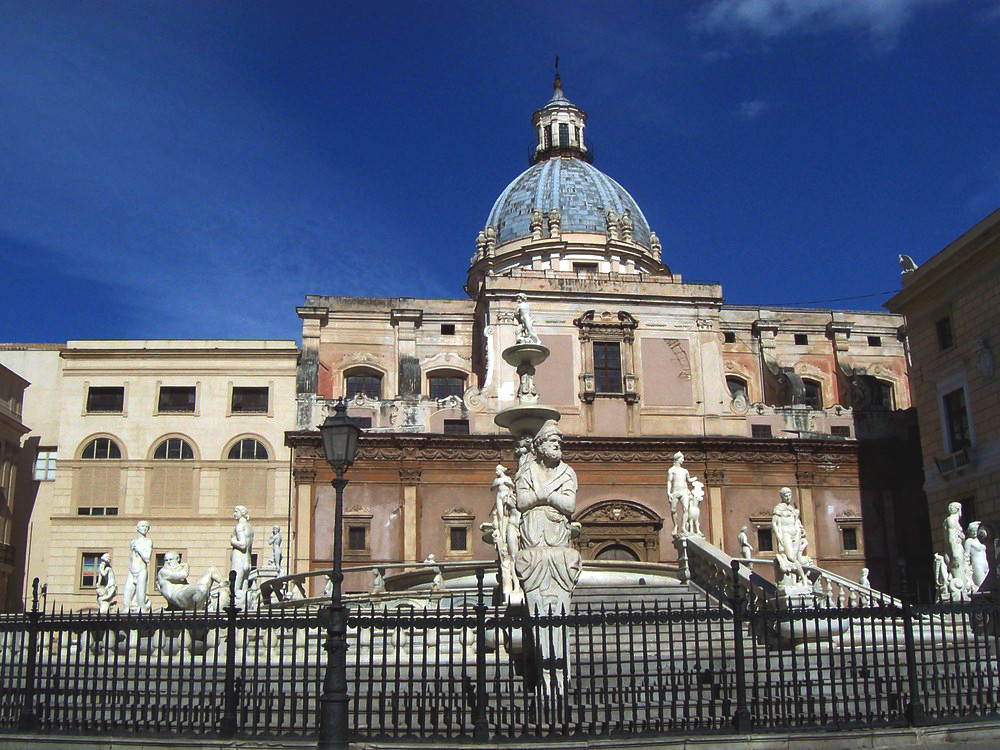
(619,530)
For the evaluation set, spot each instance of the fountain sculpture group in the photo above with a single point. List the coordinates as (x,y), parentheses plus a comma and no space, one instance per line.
(962,569)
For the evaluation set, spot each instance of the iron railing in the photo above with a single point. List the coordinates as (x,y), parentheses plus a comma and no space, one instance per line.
(677,663)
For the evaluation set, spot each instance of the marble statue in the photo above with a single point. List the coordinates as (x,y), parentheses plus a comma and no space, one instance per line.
(526,324)
(378,581)
(275,542)
(655,246)
(789,544)
(941,578)
(294,591)
(328,588)
(506,525)
(536,225)
(242,543)
(135,597)
(954,575)
(107,585)
(545,494)
(625,222)
(678,493)
(555,224)
(976,556)
(743,540)
(437,582)
(172,580)
(692,521)
(611,225)
(863,580)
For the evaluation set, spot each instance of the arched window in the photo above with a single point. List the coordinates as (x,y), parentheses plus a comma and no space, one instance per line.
(101,449)
(365,382)
(247,480)
(174,449)
(442,384)
(171,484)
(814,394)
(737,386)
(617,552)
(99,486)
(248,449)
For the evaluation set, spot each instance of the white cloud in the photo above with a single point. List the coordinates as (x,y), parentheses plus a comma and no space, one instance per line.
(753,108)
(772,18)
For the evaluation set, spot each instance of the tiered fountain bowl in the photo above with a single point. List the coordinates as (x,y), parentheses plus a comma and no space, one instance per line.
(527,417)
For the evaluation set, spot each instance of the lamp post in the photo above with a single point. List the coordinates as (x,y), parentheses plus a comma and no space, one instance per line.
(340,444)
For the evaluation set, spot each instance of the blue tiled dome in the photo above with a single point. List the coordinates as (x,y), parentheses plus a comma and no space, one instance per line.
(582,194)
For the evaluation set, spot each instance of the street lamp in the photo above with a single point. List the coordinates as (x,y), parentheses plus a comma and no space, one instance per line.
(340,444)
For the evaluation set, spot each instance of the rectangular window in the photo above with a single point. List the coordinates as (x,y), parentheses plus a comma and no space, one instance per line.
(447,329)
(250,399)
(564,135)
(801,339)
(874,341)
(459,538)
(177,398)
(45,465)
(841,430)
(442,386)
(957,421)
(944,334)
(357,538)
(729,337)
(109,399)
(456,427)
(607,367)
(765,540)
(585,268)
(760,431)
(96,510)
(365,423)
(88,569)
(849,535)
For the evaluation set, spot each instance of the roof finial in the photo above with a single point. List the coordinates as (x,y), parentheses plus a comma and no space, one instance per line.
(558,82)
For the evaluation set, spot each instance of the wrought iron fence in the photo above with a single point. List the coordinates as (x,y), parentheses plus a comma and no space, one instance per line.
(680,664)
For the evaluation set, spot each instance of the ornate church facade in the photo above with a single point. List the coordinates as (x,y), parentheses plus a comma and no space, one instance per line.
(642,365)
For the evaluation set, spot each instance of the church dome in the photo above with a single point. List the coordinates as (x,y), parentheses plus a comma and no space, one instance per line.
(582,193)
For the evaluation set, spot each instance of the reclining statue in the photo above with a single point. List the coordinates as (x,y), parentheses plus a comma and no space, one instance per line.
(172,580)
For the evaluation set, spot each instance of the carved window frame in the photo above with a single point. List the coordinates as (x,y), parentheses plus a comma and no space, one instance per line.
(458,518)
(612,328)
(357,517)
(850,520)
(759,522)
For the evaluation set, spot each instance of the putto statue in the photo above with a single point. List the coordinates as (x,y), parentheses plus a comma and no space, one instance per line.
(863,580)
(743,540)
(135,597)
(506,522)
(107,585)
(692,522)
(678,493)
(789,544)
(526,324)
(172,580)
(545,488)
(275,542)
(242,543)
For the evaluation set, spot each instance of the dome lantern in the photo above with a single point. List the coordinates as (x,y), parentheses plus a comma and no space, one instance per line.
(559,127)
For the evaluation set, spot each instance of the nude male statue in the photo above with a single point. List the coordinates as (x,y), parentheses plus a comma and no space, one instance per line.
(135,597)
(526,331)
(242,543)
(172,580)
(678,480)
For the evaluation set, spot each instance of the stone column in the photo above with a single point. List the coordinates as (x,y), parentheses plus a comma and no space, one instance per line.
(299,550)
(713,480)
(409,477)
(807,509)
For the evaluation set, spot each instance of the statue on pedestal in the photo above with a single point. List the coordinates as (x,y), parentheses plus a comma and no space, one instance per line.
(545,490)
(678,493)
(789,544)
(172,580)
(135,597)
(242,543)
(950,569)
(506,527)
(378,581)
(275,542)
(107,585)
(692,521)
(526,325)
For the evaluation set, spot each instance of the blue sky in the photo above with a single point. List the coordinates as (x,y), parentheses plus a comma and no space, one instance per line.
(194,169)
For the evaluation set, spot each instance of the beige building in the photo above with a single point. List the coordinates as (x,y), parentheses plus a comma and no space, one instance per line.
(952,308)
(12,430)
(642,363)
(173,432)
